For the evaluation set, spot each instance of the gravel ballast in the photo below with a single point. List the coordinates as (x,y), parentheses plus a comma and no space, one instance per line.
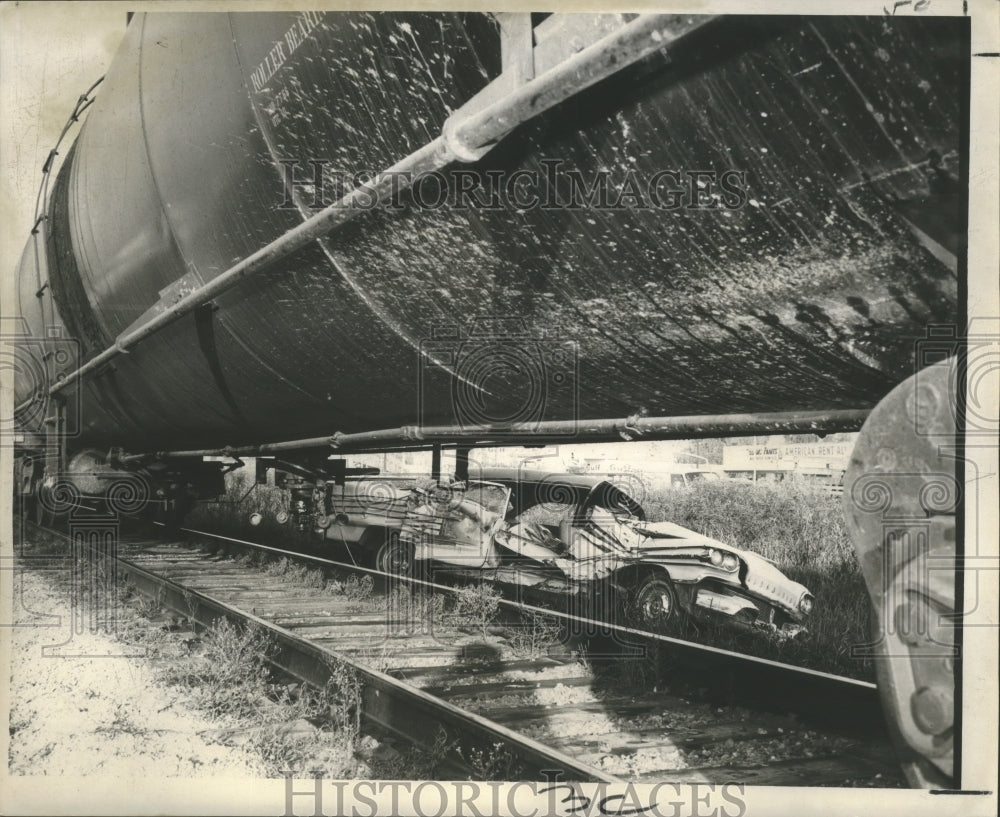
(106,714)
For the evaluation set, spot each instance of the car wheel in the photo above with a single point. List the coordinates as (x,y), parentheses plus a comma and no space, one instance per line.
(654,603)
(394,556)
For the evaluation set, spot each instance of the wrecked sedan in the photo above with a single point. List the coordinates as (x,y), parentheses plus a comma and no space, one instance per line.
(579,536)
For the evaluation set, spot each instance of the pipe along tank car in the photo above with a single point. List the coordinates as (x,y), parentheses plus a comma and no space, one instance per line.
(296,236)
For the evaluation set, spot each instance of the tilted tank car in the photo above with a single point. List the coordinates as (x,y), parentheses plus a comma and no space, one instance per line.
(687,216)
(588,228)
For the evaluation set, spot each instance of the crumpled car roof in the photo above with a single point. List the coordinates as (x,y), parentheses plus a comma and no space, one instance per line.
(533,487)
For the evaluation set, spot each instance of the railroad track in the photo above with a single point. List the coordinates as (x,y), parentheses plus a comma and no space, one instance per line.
(535,714)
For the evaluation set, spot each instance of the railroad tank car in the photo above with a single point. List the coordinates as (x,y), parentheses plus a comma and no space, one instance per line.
(803,285)
(711,222)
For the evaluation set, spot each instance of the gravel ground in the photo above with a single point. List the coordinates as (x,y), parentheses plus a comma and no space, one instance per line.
(102,715)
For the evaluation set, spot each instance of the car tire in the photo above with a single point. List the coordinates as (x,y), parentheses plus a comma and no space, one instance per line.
(394,557)
(654,604)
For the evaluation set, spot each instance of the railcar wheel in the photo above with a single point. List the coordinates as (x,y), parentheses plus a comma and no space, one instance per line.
(38,513)
(394,556)
(165,513)
(44,516)
(654,604)
(172,509)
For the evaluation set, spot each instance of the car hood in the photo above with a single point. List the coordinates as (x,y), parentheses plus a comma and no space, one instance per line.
(666,535)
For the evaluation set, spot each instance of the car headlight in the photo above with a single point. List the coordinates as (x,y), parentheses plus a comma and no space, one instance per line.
(718,558)
(805,604)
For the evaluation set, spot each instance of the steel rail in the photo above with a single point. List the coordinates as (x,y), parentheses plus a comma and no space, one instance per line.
(557,431)
(853,683)
(467,136)
(835,766)
(849,705)
(387,702)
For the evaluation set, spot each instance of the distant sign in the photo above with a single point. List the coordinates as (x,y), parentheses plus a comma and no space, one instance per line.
(786,457)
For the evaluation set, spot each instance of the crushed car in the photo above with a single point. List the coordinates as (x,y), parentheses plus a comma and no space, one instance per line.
(566,536)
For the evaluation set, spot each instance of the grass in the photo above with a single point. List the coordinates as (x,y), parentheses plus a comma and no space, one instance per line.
(495,763)
(415,611)
(802,530)
(299,727)
(123,723)
(425,763)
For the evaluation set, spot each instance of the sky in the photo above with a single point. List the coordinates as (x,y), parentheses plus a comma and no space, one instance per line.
(50,53)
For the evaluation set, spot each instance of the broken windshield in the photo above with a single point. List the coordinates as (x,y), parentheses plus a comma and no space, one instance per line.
(615,526)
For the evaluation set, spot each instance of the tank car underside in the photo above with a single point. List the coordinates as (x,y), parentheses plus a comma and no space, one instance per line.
(807,297)
(228,292)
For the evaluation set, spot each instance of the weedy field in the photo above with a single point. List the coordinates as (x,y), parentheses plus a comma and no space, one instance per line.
(802,530)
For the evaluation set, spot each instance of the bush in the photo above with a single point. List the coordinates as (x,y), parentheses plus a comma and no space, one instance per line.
(359,588)
(476,606)
(235,677)
(532,634)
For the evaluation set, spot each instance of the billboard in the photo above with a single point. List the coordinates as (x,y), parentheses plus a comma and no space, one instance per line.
(831,456)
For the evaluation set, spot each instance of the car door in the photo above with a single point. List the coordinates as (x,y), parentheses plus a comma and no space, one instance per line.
(469,520)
